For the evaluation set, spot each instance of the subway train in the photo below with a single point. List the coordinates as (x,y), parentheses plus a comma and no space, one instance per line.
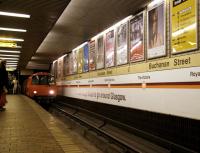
(40,85)
(123,74)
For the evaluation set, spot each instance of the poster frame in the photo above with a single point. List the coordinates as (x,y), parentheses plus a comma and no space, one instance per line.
(197,27)
(84,70)
(114,32)
(97,40)
(90,54)
(165,31)
(129,40)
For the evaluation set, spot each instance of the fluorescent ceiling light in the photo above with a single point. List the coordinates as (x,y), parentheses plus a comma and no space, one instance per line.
(12,29)
(11,39)
(10,51)
(10,69)
(11,62)
(3,55)
(11,65)
(14,14)
(9,45)
(8,58)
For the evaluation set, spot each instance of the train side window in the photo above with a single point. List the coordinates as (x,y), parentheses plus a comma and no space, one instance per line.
(35,80)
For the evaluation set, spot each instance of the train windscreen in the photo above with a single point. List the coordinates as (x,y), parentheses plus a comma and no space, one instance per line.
(42,80)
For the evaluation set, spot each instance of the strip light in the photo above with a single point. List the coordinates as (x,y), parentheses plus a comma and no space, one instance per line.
(12,29)
(11,62)
(9,65)
(10,51)
(15,14)
(8,58)
(3,55)
(11,39)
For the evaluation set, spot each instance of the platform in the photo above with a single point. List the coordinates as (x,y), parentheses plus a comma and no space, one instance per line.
(25,127)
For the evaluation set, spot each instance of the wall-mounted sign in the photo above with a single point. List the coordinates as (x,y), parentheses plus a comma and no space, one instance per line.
(121,47)
(156,30)
(100,53)
(137,38)
(184,25)
(110,49)
(92,63)
(85,58)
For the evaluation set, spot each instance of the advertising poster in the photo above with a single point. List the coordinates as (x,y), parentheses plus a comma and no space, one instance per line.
(121,48)
(137,38)
(110,49)
(70,63)
(85,58)
(74,62)
(92,64)
(184,25)
(100,53)
(80,59)
(60,68)
(66,65)
(55,66)
(156,31)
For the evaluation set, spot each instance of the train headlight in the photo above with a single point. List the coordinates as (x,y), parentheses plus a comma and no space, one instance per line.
(51,92)
(35,92)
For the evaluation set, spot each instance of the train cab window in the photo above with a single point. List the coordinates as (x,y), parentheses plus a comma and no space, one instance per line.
(44,80)
(51,80)
(35,80)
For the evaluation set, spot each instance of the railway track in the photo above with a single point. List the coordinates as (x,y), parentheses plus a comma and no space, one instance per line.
(112,136)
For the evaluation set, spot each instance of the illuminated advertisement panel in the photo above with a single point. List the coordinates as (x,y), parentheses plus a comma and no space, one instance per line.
(184,25)
(60,68)
(100,53)
(121,49)
(137,38)
(70,63)
(74,62)
(156,31)
(110,49)
(66,65)
(85,58)
(80,59)
(92,64)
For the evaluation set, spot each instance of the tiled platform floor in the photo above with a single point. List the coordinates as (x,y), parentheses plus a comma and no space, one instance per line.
(25,127)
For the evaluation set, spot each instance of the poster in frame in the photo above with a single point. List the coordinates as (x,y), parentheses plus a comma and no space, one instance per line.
(80,60)
(60,68)
(70,63)
(184,27)
(66,65)
(86,58)
(110,48)
(55,65)
(156,30)
(92,61)
(136,38)
(122,44)
(100,54)
(74,62)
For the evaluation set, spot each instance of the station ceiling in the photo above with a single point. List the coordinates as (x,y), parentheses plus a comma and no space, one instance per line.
(56,27)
